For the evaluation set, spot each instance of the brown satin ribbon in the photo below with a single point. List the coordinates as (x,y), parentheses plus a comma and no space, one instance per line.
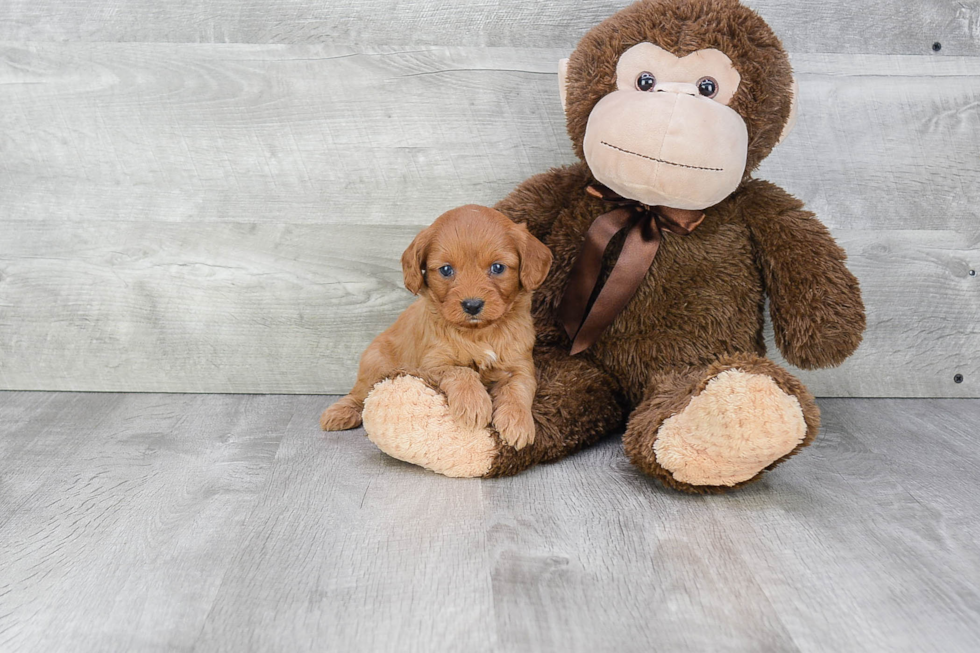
(584,324)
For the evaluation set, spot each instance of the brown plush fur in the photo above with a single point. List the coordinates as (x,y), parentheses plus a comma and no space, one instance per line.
(699,311)
(463,354)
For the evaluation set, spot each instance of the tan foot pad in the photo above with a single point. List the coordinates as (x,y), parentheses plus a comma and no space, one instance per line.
(739,425)
(410,421)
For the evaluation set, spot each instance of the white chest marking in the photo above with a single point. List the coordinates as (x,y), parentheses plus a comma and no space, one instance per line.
(489,359)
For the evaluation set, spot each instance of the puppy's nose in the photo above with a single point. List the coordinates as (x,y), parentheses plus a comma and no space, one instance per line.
(472,306)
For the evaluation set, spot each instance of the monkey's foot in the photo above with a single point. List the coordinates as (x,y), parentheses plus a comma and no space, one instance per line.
(739,425)
(410,421)
(735,422)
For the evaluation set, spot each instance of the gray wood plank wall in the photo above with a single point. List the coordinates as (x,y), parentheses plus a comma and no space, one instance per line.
(213,197)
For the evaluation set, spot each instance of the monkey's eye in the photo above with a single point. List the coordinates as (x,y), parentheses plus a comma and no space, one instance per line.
(497,268)
(446,271)
(708,87)
(645,81)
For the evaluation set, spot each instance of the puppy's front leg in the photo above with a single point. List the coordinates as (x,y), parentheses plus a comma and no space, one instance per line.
(512,398)
(469,402)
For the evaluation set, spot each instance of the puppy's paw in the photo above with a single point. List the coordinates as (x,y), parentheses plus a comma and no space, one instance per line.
(471,406)
(515,425)
(343,415)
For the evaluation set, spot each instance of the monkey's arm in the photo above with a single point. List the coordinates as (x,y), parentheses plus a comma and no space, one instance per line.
(538,200)
(814,300)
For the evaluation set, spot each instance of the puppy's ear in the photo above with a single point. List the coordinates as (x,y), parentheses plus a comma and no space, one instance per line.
(413,261)
(535,258)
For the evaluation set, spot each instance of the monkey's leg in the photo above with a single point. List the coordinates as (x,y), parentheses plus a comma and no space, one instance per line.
(718,428)
(575,405)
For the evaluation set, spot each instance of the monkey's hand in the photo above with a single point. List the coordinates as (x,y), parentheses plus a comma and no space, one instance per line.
(814,300)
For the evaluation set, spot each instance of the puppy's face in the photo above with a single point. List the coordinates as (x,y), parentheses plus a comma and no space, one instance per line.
(473,263)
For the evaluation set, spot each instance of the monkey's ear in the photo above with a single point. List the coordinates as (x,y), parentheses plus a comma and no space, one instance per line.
(414,259)
(535,258)
(793,112)
(562,73)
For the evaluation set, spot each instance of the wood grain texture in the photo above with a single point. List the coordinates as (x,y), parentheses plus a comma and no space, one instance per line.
(327,134)
(274,134)
(381,555)
(851,509)
(229,218)
(650,568)
(245,308)
(229,523)
(194,307)
(120,514)
(879,26)
(885,142)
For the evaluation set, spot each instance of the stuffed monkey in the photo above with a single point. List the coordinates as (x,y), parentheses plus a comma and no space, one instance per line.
(665,250)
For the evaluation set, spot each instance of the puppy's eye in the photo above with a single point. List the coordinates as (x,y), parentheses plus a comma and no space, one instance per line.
(446,271)
(645,81)
(497,268)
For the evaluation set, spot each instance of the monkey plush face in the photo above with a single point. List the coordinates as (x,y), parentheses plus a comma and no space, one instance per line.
(671,102)
(666,135)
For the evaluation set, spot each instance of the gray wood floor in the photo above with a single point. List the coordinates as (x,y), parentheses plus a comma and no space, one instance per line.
(134,522)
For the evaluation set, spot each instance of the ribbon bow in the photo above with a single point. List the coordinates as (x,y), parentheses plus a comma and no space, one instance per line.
(584,323)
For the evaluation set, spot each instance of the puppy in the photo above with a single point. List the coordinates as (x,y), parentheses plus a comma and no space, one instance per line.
(471,329)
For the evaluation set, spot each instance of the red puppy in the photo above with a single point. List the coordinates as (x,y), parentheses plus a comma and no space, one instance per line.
(470,331)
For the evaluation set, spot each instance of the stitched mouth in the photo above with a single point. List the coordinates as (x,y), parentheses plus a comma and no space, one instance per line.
(670,163)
